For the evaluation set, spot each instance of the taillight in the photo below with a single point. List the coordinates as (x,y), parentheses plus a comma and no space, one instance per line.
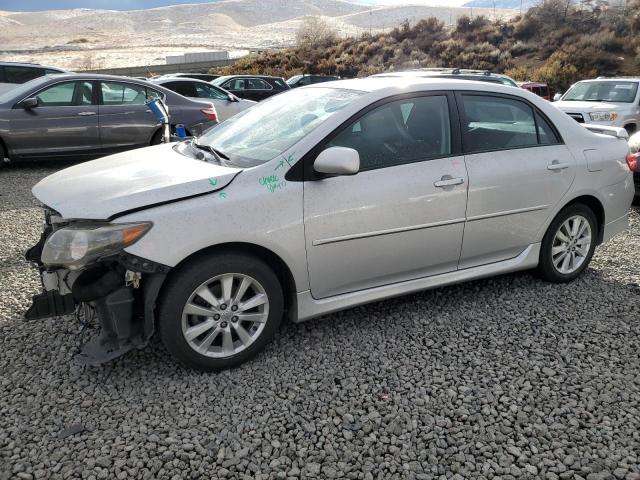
(210,113)
(632,161)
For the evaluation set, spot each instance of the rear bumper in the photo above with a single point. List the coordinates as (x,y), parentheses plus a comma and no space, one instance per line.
(614,227)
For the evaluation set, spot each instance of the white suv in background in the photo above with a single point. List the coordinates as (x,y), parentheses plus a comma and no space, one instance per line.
(613,102)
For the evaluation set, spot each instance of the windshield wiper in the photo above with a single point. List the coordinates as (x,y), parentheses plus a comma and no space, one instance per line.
(220,157)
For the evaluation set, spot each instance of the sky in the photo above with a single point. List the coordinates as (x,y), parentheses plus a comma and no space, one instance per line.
(35,5)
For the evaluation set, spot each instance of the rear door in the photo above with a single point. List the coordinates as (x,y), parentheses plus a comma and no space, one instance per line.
(519,169)
(125,120)
(258,89)
(65,122)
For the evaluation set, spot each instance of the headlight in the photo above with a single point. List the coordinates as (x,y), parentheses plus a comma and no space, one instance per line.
(603,116)
(77,245)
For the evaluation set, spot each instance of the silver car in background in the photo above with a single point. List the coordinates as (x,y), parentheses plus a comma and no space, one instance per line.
(352,192)
(89,115)
(226,103)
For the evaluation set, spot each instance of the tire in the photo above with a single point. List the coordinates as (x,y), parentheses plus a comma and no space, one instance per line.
(631,129)
(3,155)
(553,265)
(157,138)
(224,339)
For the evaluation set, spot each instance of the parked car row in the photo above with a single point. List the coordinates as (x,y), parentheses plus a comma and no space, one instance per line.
(90,115)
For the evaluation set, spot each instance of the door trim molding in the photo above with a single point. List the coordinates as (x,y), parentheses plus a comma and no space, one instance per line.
(389,231)
(507,212)
(309,307)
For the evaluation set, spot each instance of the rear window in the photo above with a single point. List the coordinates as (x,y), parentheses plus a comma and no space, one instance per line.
(16,74)
(499,123)
(280,83)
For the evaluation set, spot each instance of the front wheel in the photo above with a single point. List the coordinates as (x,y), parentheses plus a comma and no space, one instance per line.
(218,312)
(568,245)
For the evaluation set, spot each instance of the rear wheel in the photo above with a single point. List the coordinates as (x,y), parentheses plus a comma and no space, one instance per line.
(218,312)
(3,155)
(157,138)
(568,245)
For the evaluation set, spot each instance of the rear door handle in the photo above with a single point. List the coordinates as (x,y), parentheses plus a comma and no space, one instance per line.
(556,165)
(448,181)
(86,114)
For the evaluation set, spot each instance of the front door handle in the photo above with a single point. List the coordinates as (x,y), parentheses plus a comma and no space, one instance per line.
(556,165)
(448,181)
(86,114)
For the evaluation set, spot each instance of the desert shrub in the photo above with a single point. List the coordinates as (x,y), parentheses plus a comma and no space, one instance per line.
(518,73)
(572,44)
(604,40)
(520,48)
(315,32)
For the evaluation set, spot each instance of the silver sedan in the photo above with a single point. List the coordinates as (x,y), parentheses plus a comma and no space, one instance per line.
(320,199)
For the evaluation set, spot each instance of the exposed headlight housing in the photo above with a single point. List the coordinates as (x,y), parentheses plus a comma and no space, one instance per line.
(603,116)
(77,245)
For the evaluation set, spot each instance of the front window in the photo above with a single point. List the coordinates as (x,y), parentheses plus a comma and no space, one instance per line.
(399,132)
(607,91)
(267,129)
(205,90)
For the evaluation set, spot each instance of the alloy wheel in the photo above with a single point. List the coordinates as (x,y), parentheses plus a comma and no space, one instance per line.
(571,244)
(225,315)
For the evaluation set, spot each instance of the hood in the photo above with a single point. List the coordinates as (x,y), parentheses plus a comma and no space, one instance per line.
(100,189)
(570,106)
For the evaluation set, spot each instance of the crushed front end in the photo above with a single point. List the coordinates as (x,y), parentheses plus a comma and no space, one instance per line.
(83,265)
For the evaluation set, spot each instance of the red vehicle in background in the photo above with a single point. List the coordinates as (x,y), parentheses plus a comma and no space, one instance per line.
(540,89)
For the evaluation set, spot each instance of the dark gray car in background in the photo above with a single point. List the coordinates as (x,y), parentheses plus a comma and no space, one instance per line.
(89,115)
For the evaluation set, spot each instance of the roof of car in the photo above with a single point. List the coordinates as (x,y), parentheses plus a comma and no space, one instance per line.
(27,64)
(161,80)
(247,76)
(611,79)
(532,84)
(417,83)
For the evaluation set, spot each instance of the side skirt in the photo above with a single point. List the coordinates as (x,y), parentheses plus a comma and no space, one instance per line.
(309,307)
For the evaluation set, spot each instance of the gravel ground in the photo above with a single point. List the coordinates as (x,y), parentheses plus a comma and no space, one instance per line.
(502,378)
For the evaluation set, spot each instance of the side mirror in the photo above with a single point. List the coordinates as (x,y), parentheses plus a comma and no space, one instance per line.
(232,98)
(557,97)
(29,103)
(338,161)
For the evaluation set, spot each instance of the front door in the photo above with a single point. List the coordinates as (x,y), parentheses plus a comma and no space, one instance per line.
(65,122)
(402,216)
(519,169)
(125,119)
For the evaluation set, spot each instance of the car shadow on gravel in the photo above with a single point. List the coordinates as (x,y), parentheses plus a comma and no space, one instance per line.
(518,305)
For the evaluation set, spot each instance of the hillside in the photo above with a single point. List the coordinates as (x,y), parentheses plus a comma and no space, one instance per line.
(549,43)
(86,38)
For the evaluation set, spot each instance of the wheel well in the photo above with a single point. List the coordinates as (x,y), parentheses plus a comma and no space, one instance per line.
(596,207)
(3,147)
(276,263)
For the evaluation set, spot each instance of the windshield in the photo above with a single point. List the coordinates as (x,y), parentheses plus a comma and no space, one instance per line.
(619,92)
(267,129)
(294,79)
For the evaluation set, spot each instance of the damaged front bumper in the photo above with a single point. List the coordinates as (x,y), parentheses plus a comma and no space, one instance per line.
(121,290)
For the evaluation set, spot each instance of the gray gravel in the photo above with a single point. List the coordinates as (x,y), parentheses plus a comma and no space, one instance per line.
(502,378)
